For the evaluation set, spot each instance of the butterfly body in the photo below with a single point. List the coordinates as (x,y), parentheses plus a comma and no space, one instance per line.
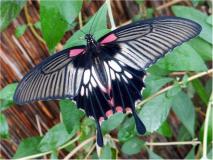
(105,76)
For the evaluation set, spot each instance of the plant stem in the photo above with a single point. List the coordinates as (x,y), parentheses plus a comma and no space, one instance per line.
(31,25)
(201,74)
(48,152)
(80,20)
(112,22)
(205,133)
(79,147)
(90,151)
(172,143)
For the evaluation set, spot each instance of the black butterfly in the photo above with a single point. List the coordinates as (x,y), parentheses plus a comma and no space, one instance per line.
(106,76)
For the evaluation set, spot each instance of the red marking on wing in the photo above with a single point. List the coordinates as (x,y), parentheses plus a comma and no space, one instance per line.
(119,109)
(109,113)
(109,38)
(75,52)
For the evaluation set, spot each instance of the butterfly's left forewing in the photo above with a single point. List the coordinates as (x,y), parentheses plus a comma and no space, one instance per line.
(55,78)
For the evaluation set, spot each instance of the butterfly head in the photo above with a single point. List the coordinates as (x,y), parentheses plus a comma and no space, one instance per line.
(90,40)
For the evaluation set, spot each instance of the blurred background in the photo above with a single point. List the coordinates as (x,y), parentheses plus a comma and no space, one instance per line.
(25,43)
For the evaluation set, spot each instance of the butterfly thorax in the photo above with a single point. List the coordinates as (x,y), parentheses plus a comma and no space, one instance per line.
(91,42)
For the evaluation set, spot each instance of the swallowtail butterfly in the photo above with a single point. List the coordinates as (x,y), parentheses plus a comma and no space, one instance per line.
(106,75)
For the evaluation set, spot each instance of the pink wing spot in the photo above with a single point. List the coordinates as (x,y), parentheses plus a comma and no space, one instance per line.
(109,38)
(109,113)
(101,119)
(119,109)
(128,110)
(75,52)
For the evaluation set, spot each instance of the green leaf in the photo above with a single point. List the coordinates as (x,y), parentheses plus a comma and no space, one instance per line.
(98,22)
(54,154)
(4,129)
(113,122)
(191,154)
(132,146)
(183,58)
(4,104)
(174,91)
(28,147)
(9,11)
(183,134)
(203,48)
(210,154)
(55,137)
(56,17)
(126,131)
(155,112)
(108,153)
(153,155)
(184,109)
(209,20)
(37,25)
(210,125)
(199,88)
(197,16)
(154,83)
(7,92)
(165,130)
(71,116)
(20,30)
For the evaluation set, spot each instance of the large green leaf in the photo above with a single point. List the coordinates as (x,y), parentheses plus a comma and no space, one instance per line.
(165,129)
(97,25)
(56,17)
(132,146)
(191,154)
(4,129)
(27,147)
(203,48)
(184,109)
(55,137)
(9,11)
(20,30)
(71,116)
(154,83)
(7,92)
(113,122)
(155,112)
(197,16)
(4,104)
(126,130)
(183,58)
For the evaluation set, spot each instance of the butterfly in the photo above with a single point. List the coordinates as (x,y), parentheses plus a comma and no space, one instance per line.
(105,76)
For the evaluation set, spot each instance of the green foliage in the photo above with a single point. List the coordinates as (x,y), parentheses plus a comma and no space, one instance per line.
(203,48)
(197,16)
(55,19)
(37,25)
(20,30)
(191,154)
(158,106)
(71,116)
(183,58)
(9,11)
(4,129)
(210,125)
(55,137)
(98,22)
(153,155)
(108,152)
(27,147)
(7,92)
(132,146)
(126,130)
(185,110)
(165,129)
(113,122)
